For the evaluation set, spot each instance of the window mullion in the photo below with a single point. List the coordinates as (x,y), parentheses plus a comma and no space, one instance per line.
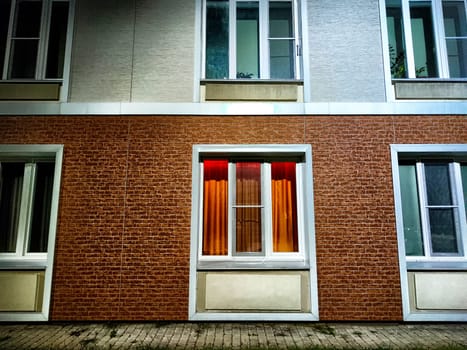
(43,40)
(231,215)
(459,194)
(6,62)
(300,207)
(27,200)
(232,39)
(425,222)
(267,209)
(408,39)
(264,40)
(297,43)
(440,39)
(204,38)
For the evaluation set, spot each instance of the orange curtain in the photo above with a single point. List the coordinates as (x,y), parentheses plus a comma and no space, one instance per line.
(215,207)
(284,207)
(248,215)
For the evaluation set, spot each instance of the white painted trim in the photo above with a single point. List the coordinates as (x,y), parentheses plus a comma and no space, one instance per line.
(390,94)
(55,151)
(235,108)
(199,48)
(64,90)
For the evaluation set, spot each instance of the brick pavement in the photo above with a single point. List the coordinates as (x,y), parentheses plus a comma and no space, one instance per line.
(186,335)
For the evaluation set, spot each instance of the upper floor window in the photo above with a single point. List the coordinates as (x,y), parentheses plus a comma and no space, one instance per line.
(33,36)
(427,38)
(257,39)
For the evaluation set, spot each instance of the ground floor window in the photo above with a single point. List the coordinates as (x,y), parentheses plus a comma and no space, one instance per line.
(29,189)
(430,185)
(252,233)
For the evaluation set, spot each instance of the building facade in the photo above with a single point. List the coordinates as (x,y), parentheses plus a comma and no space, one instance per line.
(233,160)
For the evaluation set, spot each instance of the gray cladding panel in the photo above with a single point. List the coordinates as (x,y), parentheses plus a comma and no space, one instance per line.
(133,51)
(345,51)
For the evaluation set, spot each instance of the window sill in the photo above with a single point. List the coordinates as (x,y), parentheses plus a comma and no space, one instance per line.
(251,90)
(30,90)
(437,265)
(20,264)
(253,265)
(430,89)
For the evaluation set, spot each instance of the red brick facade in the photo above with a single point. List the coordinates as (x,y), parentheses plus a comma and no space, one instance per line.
(123,238)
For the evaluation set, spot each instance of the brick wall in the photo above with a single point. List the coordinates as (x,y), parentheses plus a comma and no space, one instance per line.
(122,247)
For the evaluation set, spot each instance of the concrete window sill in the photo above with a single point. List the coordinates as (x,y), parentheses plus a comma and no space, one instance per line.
(430,89)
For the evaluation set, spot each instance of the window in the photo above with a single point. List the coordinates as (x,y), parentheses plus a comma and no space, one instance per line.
(251,39)
(433,204)
(29,191)
(25,204)
(251,206)
(427,38)
(33,36)
(434,207)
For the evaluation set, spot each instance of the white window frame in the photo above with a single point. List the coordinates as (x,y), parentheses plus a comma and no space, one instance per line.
(439,37)
(267,254)
(428,262)
(277,264)
(20,260)
(264,38)
(40,74)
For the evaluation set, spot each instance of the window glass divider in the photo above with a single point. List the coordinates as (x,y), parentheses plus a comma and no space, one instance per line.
(27,200)
(461,213)
(422,197)
(408,39)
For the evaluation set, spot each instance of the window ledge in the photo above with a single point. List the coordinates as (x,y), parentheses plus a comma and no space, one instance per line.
(253,265)
(251,90)
(19,264)
(430,89)
(437,265)
(29,90)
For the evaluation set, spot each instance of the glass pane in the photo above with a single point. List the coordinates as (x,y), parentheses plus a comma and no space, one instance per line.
(4,21)
(248,219)
(248,183)
(27,19)
(438,184)
(39,234)
(423,39)
(443,231)
(215,207)
(457,57)
(281,56)
(464,184)
(455,27)
(410,211)
(57,40)
(11,185)
(396,39)
(280,20)
(247,40)
(248,229)
(217,39)
(284,207)
(455,23)
(23,59)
